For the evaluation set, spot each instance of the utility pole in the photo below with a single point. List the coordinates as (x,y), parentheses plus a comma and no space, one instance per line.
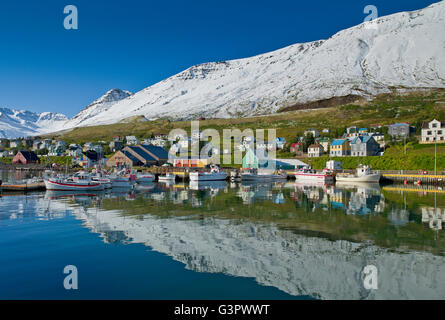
(435,152)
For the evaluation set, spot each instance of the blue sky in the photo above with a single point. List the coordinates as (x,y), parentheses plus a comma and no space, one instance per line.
(132,44)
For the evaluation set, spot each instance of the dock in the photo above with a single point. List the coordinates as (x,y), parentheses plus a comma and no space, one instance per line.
(438,179)
(23,187)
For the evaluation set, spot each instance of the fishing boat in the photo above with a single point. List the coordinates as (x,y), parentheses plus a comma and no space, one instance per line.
(215,174)
(306,174)
(79,182)
(102,178)
(362,174)
(145,177)
(169,177)
(253,174)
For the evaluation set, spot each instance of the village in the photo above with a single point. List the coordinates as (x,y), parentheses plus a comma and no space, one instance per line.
(130,151)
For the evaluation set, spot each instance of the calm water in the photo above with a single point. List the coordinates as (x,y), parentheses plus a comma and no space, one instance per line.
(224,241)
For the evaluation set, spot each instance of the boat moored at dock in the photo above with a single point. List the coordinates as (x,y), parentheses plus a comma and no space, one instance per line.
(362,174)
(80,181)
(215,174)
(307,174)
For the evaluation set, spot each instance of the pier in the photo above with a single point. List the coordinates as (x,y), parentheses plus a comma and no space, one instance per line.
(414,178)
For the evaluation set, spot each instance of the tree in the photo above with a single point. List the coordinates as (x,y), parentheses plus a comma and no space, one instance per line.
(307,141)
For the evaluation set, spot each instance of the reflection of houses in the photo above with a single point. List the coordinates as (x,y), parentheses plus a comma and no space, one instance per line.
(434,217)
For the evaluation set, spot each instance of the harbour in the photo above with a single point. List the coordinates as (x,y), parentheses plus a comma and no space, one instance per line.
(193,235)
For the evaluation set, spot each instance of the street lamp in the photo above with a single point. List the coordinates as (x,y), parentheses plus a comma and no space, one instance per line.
(435,152)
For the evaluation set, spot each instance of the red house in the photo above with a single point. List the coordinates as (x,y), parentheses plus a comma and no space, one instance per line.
(25,157)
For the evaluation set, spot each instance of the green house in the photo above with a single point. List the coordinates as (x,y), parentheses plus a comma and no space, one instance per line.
(250,160)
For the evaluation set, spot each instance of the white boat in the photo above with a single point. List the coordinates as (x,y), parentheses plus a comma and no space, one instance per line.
(167,177)
(307,174)
(79,182)
(106,182)
(145,177)
(256,175)
(100,177)
(362,174)
(214,175)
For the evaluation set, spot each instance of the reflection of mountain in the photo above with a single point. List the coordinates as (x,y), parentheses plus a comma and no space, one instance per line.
(296,264)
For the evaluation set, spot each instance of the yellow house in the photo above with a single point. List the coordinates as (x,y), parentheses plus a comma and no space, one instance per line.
(340,148)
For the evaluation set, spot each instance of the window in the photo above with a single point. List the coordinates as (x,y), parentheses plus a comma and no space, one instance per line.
(434,125)
(439,132)
(429,133)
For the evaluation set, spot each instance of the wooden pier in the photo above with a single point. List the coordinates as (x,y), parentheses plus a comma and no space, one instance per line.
(438,179)
(22,187)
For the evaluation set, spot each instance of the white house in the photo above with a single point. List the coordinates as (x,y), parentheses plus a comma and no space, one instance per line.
(314,133)
(433,131)
(132,140)
(315,151)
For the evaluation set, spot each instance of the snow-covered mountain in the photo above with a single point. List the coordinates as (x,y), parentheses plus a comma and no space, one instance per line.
(405,51)
(20,123)
(100,106)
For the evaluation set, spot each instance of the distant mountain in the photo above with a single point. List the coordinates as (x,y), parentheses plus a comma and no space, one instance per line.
(405,52)
(20,123)
(99,106)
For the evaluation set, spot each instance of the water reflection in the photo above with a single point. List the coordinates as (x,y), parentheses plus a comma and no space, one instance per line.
(303,239)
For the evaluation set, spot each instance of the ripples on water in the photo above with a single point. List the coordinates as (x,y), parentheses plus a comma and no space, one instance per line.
(224,240)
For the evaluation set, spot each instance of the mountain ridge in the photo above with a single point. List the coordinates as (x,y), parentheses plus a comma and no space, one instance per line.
(359,61)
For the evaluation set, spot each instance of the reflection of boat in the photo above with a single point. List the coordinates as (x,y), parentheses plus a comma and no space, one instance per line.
(308,175)
(169,177)
(203,185)
(120,182)
(362,174)
(145,187)
(214,175)
(145,177)
(365,185)
(54,194)
(80,181)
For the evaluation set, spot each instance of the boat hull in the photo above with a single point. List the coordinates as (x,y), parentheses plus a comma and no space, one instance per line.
(66,186)
(367,178)
(120,183)
(147,179)
(314,177)
(198,176)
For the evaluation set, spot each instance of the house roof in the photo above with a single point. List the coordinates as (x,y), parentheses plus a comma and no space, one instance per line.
(425,124)
(29,155)
(159,152)
(130,156)
(363,139)
(91,154)
(138,150)
(402,124)
(312,146)
(338,142)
